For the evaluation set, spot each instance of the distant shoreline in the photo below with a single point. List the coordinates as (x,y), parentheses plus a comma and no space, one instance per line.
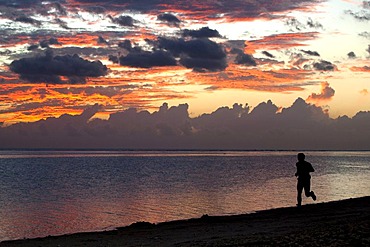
(337,223)
(184,150)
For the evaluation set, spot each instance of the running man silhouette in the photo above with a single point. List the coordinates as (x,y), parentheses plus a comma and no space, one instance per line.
(304,179)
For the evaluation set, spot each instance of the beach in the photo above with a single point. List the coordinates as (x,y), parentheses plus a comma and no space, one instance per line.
(338,223)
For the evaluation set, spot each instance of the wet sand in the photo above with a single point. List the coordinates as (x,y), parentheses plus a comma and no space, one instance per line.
(340,223)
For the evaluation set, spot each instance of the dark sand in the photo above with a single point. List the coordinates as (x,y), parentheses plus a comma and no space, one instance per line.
(341,223)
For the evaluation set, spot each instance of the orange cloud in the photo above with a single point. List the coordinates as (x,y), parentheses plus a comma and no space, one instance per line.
(140,35)
(79,40)
(361,69)
(31,102)
(234,77)
(325,95)
(279,41)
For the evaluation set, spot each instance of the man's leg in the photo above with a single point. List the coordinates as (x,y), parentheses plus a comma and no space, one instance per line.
(299,193)
(307,190)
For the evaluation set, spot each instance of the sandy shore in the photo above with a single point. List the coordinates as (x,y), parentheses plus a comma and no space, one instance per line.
(341,223)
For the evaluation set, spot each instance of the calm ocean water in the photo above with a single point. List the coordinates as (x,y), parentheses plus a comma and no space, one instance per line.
(57,192)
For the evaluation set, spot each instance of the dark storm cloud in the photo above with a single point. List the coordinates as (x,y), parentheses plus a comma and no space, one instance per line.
(126,44)
(113,59)
(204,32)
(242,58)
(61,10)
(49,68)
(28,20)
(96,9)
(351,55)
(46,42)
(32,47)
(245,59)
(197,53)
(146,59)
(268,54)
(123,20)
(311,53)
(101,40)
(324,66)
(61,23)
(300,126)
(203,64)
(169,18)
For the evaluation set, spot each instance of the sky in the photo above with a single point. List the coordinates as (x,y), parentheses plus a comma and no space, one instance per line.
(214,65)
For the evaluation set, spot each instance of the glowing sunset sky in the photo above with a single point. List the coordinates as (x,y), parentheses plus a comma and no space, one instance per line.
(63,56)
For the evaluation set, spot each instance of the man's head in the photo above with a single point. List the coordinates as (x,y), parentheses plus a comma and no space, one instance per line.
(301,157)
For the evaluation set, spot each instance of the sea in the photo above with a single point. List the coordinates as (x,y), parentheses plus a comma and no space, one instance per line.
(56,192)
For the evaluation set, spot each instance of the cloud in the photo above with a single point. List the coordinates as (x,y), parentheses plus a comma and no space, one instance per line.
(204,32)
(101,40)
(351,55)
(299,126)
(360,16)
(28,20)
(124,20)
(325,95)
(50,68)
(15,90)
(32,47)
(169,18)
(268,54)
(113,59)
(195,9)
(361,69)
(311,53)
(365,35)
(59,8)
(203,64)
(313,24)
(46,42)
(146,59)
(245,59)
(324,66)
(279,41)
(299,26)
(19,3)
(198,54)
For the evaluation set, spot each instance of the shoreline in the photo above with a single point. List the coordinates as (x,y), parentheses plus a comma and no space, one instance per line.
(337,223)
